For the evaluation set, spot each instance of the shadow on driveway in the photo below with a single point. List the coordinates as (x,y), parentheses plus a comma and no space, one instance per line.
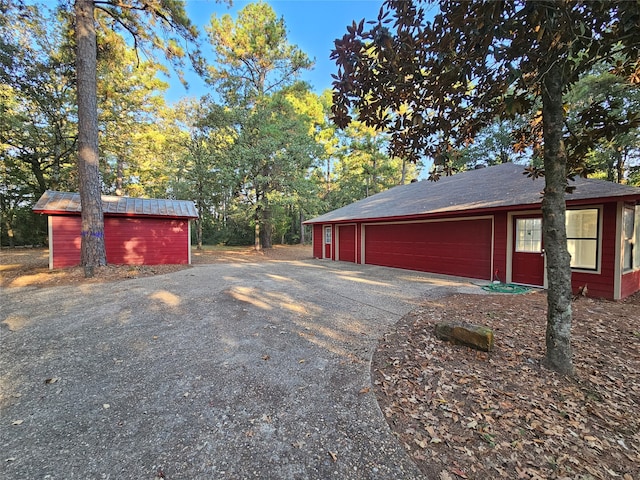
(220,371)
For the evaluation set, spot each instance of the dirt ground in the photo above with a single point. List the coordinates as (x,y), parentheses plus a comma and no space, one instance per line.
(466,414)
(23,267)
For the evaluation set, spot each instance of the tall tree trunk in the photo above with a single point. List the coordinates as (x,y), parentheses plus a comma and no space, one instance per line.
(558,336)
(620,161)
(199,234)
(256,241)
(374,176)
(328,182)
(302,232)
(610,169)
(36,169)
(266,229)
(92,250)
(119,177)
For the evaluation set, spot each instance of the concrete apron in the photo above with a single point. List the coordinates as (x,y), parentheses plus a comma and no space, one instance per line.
(219,371)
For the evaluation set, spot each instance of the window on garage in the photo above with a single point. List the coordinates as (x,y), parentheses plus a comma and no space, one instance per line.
(582,238)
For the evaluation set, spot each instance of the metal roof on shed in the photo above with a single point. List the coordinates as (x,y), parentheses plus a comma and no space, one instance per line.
(60,203)
(499,187)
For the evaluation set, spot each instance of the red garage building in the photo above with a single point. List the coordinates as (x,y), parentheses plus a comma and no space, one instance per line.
(137,231)
(487,224)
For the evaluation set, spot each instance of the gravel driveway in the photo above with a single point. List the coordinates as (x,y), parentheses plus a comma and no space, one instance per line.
(238,371)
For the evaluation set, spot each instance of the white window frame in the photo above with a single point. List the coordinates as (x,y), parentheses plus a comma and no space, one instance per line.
(597,239)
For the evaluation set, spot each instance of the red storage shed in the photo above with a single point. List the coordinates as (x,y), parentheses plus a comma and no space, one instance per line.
(487,224)
(137,231)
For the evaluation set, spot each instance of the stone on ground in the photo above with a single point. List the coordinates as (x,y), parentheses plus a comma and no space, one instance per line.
(474,336)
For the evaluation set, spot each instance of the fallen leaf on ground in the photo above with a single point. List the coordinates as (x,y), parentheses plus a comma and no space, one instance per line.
(502,414)
(459,473)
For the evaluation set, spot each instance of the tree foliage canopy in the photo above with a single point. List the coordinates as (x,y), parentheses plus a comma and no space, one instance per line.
(603,125)
(36,95)
(153,26)
(274,152)
(253,55)
(437,81)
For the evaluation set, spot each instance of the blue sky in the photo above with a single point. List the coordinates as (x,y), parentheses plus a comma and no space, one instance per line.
(313,25)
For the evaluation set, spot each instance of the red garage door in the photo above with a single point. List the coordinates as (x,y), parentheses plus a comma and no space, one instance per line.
(460,247)
(347,243)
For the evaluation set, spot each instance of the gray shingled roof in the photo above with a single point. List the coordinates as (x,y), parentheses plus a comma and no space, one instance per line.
(497,187)
(56,203)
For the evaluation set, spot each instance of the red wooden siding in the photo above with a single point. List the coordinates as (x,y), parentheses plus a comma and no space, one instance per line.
(317,241)
(65,240)
(347,243)
(461,247)
(130,241)
(146,241)
(601,284)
